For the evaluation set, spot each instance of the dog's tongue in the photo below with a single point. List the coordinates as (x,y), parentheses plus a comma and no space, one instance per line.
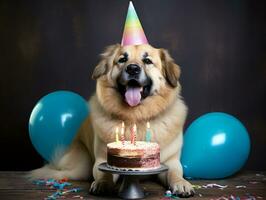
(133,96)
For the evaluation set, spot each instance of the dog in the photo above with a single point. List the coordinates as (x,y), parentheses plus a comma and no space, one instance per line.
(135,84)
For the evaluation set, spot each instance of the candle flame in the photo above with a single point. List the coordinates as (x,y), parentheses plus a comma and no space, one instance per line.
(116,130)
(123,124)
(134,127)
(148,125)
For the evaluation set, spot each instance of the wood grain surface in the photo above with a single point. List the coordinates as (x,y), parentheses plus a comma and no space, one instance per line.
(14,186)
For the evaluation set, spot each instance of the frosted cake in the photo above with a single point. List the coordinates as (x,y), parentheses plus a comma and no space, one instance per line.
(139,156)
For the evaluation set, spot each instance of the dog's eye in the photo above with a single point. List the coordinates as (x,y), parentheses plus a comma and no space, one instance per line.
(147,61)
(122,60)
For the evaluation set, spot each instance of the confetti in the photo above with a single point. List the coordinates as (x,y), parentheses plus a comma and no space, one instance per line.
(63,180)
(60,186)
(253,182)
(60,194)
(196,186)
(78,196)
(250,197)
(241,186)
(168,193)
(55,195)
(39,182)
(214,185)
(232,197)
(71,190)
(221,198)
(259,175)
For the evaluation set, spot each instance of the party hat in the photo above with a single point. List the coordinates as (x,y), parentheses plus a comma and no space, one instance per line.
(133,31)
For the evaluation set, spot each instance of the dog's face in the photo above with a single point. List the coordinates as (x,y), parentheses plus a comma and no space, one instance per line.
(136,82)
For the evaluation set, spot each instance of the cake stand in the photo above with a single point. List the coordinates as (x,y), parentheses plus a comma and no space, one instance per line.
(130,187)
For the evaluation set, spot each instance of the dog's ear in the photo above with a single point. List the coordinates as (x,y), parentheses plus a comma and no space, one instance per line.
(171,70)
(107,59)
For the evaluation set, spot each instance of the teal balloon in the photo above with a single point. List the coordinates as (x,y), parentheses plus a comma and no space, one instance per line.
(55,120)
(216,145)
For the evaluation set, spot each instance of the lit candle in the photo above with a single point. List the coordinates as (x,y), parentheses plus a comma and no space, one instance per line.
(116,134)
(133,134)
(148,132)
(123,133)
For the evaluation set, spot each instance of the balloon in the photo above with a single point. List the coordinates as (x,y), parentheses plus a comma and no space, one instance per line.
(216,145)
(55,120)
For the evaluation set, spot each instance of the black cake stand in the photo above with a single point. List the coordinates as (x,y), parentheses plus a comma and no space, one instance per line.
(130,187)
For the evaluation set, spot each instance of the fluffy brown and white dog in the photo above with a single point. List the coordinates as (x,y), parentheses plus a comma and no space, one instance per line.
(135,84)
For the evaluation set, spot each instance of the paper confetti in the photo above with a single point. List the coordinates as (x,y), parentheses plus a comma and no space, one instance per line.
(221,198)
(78,196)
(214,185)
(253,182)
(196,186)
(259,175)
(233,197)
(169,195)
(59,193)
(241,186)
(60,186)
(247,196)
(250,197)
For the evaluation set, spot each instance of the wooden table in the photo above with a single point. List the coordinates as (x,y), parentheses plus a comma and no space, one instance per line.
(14,185)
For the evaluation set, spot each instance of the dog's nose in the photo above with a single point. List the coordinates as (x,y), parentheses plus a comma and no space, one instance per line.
(133,69)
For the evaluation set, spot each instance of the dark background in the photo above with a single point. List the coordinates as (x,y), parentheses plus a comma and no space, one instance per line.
(54,45)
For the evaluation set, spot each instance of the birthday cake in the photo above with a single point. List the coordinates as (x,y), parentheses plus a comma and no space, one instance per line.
(140,155)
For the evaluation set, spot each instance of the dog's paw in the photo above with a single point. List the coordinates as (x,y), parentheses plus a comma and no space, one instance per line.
(182,188)
(101,187)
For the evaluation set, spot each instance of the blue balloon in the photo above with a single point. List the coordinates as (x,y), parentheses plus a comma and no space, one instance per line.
(216,145)
(55,120)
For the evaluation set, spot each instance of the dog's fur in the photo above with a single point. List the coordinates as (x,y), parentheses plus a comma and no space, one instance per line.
(164,108)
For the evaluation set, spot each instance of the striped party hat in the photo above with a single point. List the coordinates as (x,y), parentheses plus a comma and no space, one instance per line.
(133,31)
